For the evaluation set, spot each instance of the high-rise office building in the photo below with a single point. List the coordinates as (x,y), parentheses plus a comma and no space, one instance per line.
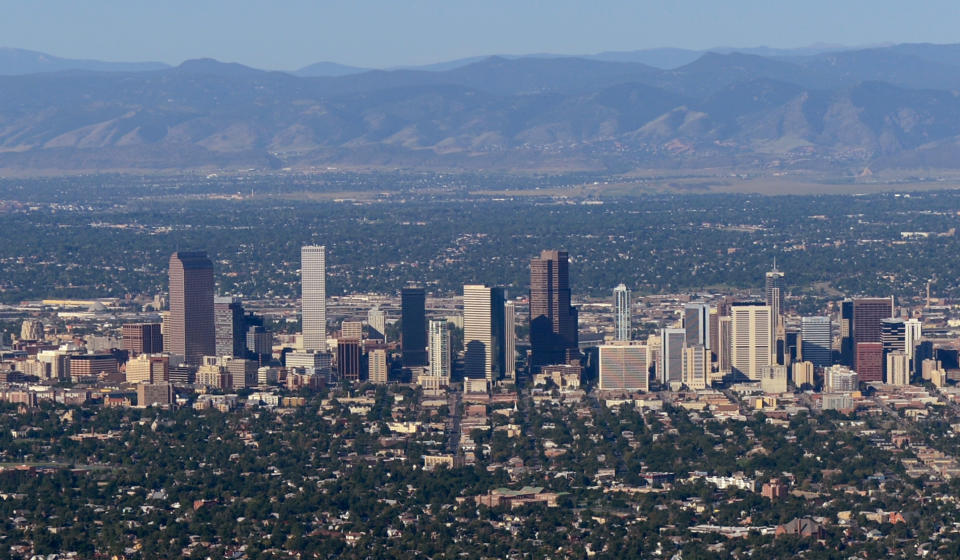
(377,358)
(413,327)
(348,359)
(509,341)
(898,368)
(553,321)
(750,339)
(802,373)
(190,330)
(696,367)
(142,338)
(913,332)
(868,314)
(148,369)
(696,324)
(228,319)
(377,324)
(440,360)
(775,280)
(724,343)
(846,333)
(671,356)
(893,335)
(313,297)
(351,330)
(816,340)
(623,366)
(621,319)
(714,332)
(259,343)
(869,359)
(483,332)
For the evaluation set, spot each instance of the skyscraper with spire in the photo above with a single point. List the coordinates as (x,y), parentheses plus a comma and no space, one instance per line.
(775,281)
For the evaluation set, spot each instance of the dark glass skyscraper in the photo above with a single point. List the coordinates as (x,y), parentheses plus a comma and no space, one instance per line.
(846,333)
(553,321)
(413,324)
(190,331)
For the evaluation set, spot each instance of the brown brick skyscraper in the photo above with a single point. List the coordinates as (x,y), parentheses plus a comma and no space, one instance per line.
(190,330)
(553,321)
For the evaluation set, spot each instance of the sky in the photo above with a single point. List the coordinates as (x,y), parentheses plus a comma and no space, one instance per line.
(289,34)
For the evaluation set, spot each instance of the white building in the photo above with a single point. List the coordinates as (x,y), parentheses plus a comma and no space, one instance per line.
(840,379)
(313,302)
(483,332)
(751,347)
(377,360)
(622,320)
(898,368)
(439,349)
(773,379)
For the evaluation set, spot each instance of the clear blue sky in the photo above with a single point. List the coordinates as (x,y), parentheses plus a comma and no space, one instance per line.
(287,34)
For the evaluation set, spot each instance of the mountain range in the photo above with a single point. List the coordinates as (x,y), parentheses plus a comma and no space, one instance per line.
(824,108)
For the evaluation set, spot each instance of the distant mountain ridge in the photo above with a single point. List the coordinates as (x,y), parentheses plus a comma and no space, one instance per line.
(21,61)
(894,106)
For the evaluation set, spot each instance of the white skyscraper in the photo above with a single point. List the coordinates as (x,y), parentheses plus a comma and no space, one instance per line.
(483,332)
(751,343)
(377,321)
(914,331)
(898,368)
(379,373)
(313,302)
(439,337)
(509,341)
(621,302)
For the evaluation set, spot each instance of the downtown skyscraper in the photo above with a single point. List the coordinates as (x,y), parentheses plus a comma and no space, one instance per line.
(750,344)
(484,329)
(621,305)
(313,297)
(413,327)
(553,321)
(190,330)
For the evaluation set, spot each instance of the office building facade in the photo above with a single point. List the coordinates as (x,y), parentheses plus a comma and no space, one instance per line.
(816,341)
(413,327)
(553,320)
(313,297)
(189,329)
(483,332)
(621,319)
